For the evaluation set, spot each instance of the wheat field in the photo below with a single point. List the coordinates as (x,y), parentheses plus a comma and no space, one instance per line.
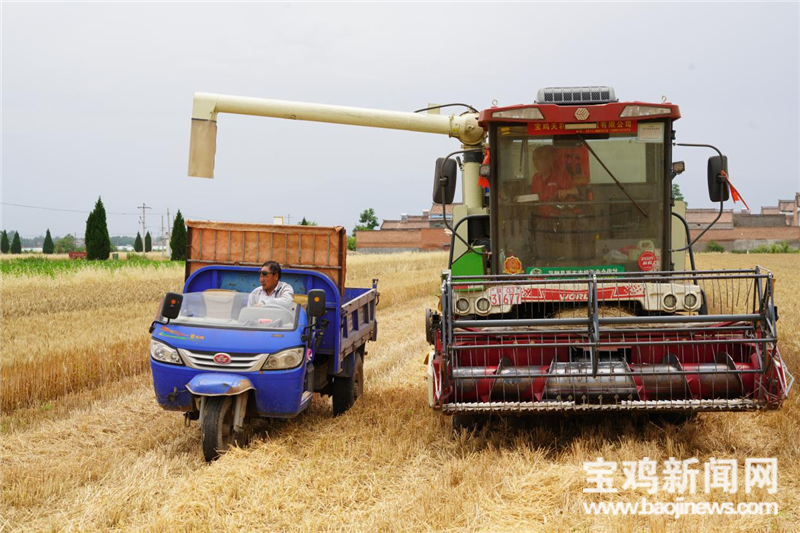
(86,448)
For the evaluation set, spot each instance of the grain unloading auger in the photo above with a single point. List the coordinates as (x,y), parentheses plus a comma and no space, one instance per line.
(566,288)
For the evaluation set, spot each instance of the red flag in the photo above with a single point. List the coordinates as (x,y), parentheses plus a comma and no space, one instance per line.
(734,193)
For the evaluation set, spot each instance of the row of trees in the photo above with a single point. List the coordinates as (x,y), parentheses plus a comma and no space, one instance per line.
(147,246)
(14,245)
(98,243)
(65,244)
(97,240)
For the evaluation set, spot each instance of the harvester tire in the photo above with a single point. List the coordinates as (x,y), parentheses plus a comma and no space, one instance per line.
(346,390)
(217,427)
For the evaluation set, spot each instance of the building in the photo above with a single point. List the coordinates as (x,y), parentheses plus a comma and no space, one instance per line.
(733,231)
(419,233)
(744,230)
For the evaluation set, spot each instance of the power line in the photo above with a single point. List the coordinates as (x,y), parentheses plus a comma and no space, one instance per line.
(68,210)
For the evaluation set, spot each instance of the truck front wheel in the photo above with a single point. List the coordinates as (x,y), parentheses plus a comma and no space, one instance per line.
(217,426)
(346,390)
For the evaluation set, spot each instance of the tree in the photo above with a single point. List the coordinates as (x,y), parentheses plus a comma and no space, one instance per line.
(66,244)
(148,243)
(16,244)
(351,244)
(5,246)
(367,221)
(137,244)
(98,242)
(177,242)
(48,247)
(305,222)
(676,192)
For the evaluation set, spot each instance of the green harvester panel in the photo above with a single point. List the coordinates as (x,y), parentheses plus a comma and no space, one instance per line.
(469,264)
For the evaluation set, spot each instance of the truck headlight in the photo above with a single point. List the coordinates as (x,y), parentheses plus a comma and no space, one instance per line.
(163,353)
(286,359)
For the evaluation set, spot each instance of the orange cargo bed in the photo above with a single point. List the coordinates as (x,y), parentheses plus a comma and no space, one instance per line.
(318,248)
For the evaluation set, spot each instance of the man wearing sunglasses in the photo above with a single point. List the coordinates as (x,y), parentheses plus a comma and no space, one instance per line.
(272,289)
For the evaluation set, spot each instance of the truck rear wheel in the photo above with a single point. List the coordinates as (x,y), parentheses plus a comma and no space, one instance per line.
(217,427)
(346,390)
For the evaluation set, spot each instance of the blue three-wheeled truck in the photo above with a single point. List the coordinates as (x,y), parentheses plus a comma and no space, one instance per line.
(222,362)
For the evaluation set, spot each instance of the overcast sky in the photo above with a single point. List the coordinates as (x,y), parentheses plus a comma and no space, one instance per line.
(97,98)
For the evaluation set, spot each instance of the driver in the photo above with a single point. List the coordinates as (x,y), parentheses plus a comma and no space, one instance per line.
(550,182)
(272,289)
(555,225)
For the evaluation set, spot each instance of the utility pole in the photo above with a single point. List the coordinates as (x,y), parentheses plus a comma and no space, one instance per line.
(162,236)
(289,220)
(144,225)
(167,246)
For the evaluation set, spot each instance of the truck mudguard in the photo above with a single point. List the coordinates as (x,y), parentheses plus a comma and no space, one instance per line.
(215,384)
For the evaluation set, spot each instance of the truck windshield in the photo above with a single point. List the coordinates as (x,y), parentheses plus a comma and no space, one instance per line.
(222,308)
(559,210)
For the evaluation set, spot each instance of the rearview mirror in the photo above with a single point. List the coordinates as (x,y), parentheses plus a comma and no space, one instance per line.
(316,303)
(718,189)
(444,181)
(171,306)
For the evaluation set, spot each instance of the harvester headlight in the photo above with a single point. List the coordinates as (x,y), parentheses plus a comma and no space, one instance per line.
(670,301)
(643,111)
(286,359)
(483,305)
(462,305)
(690,300)
(163,353)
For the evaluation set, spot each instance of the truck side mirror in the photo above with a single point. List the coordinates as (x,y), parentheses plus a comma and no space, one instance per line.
(718,189)
(316,303)
(171,306)
(444,181)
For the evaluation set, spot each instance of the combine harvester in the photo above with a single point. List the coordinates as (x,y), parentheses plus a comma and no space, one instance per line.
(566,288)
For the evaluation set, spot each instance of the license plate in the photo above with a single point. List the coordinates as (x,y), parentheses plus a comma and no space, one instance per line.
(505,295)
